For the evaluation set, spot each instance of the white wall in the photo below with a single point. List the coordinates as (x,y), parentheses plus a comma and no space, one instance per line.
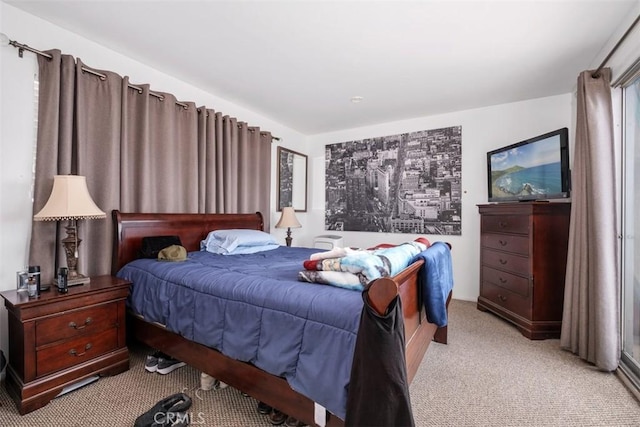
(483,129)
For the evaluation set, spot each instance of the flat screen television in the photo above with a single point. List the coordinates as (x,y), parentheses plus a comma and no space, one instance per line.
(533,169)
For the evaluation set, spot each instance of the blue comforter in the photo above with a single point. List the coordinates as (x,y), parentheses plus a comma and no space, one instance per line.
(253,308)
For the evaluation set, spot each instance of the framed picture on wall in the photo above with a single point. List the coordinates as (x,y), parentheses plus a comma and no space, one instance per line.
(292,180)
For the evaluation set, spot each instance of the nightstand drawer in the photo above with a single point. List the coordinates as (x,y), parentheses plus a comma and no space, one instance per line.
(76,323)
(518,224)
(76,351)
(509,300)
(507,243)
(506,261)
(511,282)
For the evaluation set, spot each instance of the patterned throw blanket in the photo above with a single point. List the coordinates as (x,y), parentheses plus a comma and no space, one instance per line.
(354,268)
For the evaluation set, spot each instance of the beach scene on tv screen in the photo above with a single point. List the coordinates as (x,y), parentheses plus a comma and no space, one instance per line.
(529,171)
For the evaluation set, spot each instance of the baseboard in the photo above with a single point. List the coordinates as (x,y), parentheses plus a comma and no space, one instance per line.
(629,380)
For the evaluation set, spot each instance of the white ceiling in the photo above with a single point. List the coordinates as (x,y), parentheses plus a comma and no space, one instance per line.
(300,62)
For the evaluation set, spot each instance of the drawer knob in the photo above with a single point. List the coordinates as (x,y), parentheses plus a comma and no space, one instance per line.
(502,280)
(503,242)
(73,351)
(74,325)
(502,298)
(502,224)
(503,261)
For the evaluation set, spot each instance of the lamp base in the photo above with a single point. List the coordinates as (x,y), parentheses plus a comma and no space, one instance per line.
(71,244)
(79,280)
(288,239)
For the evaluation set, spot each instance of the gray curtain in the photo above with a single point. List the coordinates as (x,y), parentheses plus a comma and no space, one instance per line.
(55,134)
(140,152)
(159,153)
(590,322)
(239,176)
(78,136)
(97,153)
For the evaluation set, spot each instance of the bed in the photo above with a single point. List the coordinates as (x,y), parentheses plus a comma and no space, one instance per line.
(251,376)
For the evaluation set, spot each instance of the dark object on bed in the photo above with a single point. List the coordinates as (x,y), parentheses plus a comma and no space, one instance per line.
(192,228)
(152,245)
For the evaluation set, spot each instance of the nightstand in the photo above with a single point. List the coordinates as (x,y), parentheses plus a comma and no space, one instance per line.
(59,339)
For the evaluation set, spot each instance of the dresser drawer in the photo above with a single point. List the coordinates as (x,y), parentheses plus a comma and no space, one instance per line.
(75,351)
(511,301)
(518,224)
(506,261)
(508,281)
(76,323)
(506,242)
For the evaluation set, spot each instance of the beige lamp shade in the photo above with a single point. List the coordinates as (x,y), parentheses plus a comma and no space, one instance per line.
(69,200)
(288,219)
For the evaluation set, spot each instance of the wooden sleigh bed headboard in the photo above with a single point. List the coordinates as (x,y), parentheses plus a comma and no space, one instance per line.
(130,228)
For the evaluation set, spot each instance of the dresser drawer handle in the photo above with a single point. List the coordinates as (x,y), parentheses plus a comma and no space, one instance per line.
(502,224)
(75,326)
(503,261)
(502,280)
(503,242)
(502,298)
(73,351)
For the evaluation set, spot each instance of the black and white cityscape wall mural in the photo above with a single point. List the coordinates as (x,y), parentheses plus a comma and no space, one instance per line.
(406,183)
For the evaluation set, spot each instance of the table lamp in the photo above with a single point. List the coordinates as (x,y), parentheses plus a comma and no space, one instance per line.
(288,220)
(70,200)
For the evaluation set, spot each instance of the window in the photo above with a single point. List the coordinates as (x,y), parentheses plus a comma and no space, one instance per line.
(630,358)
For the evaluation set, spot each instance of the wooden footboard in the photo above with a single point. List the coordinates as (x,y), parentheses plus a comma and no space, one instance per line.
(275,391)
(418,332)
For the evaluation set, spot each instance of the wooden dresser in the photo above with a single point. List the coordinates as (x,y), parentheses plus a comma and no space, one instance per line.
(523,257)
(59,339)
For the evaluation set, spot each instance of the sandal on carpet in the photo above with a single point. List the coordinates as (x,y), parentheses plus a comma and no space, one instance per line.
(170,411)
(276,417)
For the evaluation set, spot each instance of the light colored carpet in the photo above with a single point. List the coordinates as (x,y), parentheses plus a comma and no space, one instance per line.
(488,375)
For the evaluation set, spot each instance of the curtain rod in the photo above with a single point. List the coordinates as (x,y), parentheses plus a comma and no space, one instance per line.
(5,41)
(596,73)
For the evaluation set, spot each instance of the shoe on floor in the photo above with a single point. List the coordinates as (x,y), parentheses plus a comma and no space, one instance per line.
(170,411)
(151,362)
(207,382)
(219,385)
(292,422)
(276,417)
(168,364)
(264,409)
